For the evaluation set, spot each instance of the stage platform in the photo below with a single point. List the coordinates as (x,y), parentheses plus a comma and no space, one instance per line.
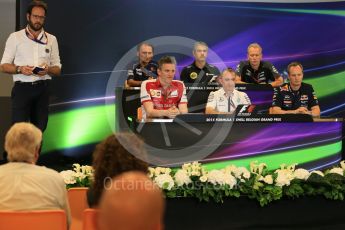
(304,213)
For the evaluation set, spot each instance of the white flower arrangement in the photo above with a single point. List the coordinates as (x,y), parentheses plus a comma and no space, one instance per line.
(194,180)
(182,177)
(80,176)
(301,174)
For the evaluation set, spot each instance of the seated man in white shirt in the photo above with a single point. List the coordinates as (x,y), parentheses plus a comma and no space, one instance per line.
(24,185)
(226,99)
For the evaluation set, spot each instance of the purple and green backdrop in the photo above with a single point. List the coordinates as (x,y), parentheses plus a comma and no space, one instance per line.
(96,37)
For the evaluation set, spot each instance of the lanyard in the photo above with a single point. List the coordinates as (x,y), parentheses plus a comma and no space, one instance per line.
(31,37)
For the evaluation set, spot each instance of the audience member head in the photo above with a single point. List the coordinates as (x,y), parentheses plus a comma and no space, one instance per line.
(227,79)
(131,201)
(254,54)
(166,69)
(23,142)
(295,74)
(111,158)
(145,53)
(200,51)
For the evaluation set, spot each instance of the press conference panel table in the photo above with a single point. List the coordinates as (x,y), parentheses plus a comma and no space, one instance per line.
(239,139)
(233,139)
(260,95)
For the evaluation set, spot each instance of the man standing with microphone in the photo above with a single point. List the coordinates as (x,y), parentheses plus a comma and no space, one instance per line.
(32,56)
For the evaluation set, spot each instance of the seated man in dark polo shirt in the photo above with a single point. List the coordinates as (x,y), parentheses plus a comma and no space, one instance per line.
(256,71)
(164,97)
(295,97)
(145,69)
(199,71)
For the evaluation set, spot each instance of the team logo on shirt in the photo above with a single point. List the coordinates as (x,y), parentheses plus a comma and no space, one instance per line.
(193,75)
(138,71)
(314,95)
(261,77)
(284,88)
(174,93)
(155,93)
(275,70)
(304,97)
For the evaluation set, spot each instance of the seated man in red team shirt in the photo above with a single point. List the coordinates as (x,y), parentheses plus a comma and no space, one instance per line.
(164,97)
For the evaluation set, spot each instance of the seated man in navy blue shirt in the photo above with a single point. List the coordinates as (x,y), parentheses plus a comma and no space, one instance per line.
(256,71)
(295,97)
(146,68)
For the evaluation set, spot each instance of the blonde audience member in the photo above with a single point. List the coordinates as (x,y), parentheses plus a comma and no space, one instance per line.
(24,185)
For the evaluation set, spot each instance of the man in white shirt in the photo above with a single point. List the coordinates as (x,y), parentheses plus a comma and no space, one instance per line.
(32,56)
(24,185)
(226,99)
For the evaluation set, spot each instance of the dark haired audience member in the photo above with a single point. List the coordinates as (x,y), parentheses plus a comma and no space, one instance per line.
(113,156)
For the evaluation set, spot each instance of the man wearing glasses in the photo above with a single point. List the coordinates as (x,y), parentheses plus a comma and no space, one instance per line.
(32,56)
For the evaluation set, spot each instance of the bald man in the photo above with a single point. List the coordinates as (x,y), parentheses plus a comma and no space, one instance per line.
(131,201)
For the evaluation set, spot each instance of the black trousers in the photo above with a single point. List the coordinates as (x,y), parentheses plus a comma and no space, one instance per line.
(30,102)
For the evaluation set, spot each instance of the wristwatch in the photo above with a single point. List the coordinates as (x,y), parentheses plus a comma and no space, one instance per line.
(18,70)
